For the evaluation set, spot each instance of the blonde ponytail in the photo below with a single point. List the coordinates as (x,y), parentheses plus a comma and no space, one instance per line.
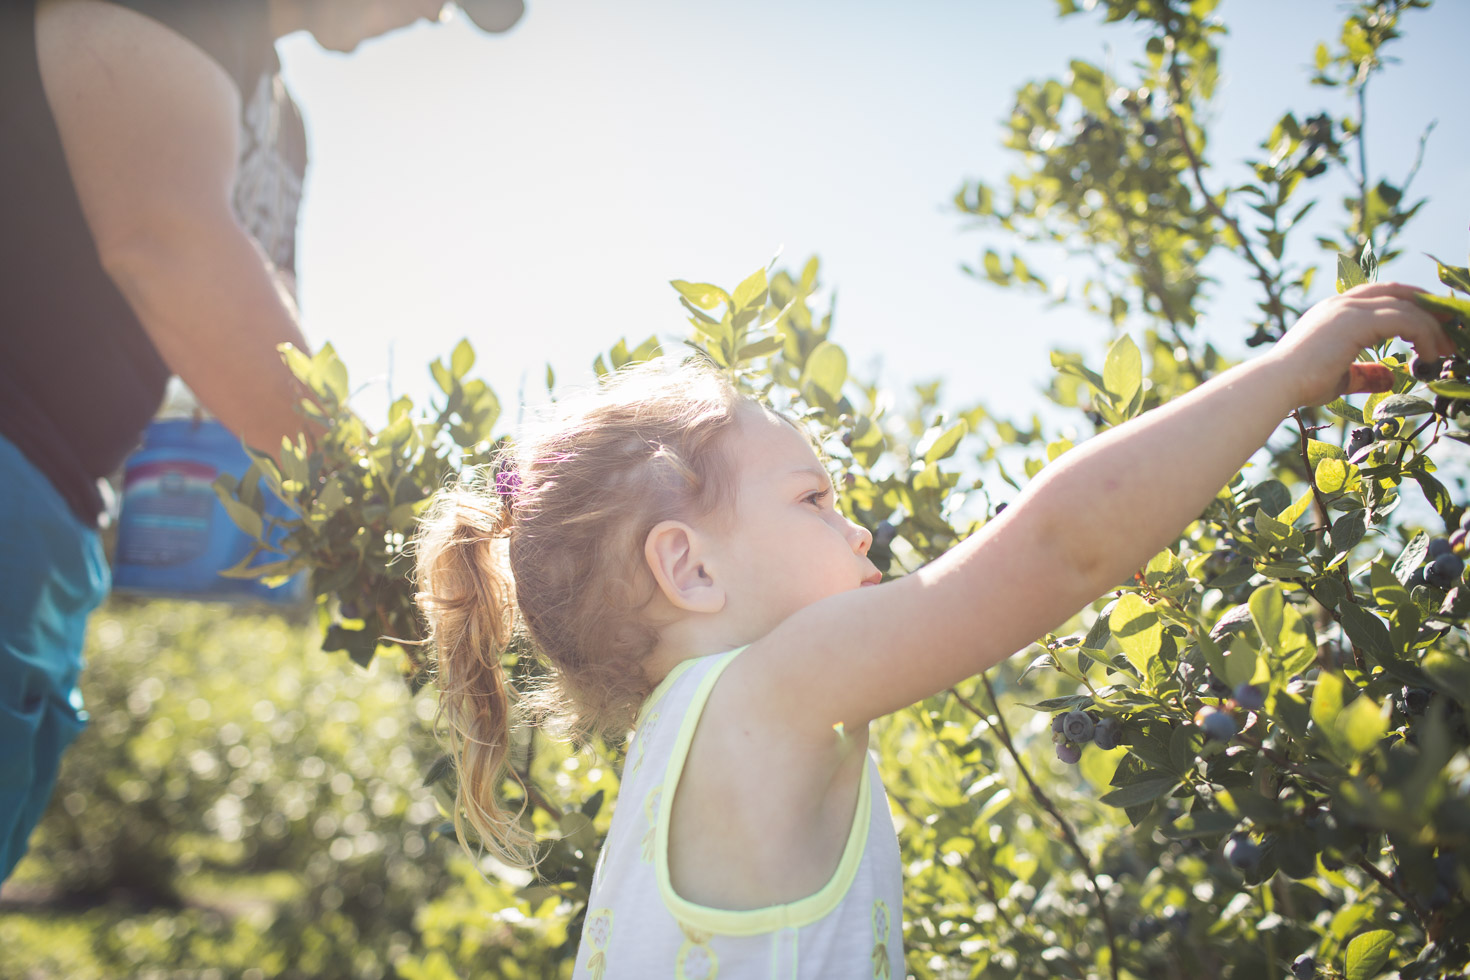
(466,593)
(586,489)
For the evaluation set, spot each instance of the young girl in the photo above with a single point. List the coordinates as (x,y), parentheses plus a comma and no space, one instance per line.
(673,549)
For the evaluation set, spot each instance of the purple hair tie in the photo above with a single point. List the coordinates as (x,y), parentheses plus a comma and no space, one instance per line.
(507,485)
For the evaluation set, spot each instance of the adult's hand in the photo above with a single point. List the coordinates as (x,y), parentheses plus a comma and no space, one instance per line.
(149,124)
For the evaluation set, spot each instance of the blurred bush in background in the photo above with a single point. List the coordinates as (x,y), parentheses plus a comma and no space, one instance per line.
(244,805)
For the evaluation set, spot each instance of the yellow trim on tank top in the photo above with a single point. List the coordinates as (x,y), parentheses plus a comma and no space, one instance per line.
(663,686)
(749,922)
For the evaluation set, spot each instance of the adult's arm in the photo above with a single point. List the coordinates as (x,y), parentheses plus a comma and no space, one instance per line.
(148,123)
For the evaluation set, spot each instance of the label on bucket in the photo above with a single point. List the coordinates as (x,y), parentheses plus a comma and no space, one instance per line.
(168,505)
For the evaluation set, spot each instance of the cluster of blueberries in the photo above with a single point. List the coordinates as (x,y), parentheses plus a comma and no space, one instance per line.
(1446,561)
(1446,555)
(1073,729)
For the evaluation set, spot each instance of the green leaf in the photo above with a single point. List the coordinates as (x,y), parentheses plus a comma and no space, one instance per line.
(1241,665)
(1347,531)
(442,377)
(751,292)
(1360,725)
(1401,406)
(331,372)
(1317,450)
(299,363)
(1349,272)
(1327,699)
(944,442)
(1451,672)
(702,294)
(1434,491)
(826,367)
(1367,954)
(1137,629)
(1201,823)
(462,359)
(1332,475)
(245,518)
(1454,276)
(1293,513)
(760,348)
(1123,370)
(1451,306)
(1141,792)
(1343,410)
(1450,389)
(1266,612)
(1366,631)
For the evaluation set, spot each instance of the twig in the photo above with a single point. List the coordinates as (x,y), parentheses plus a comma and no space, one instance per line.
(1388,883)
(1363,235)
(1196,169)
(1003,731)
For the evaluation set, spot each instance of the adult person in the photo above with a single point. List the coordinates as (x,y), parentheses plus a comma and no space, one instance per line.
(151,164)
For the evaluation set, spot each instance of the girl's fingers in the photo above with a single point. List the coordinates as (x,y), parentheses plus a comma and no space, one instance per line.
(1413,323)
(1367,377)
(1398,290)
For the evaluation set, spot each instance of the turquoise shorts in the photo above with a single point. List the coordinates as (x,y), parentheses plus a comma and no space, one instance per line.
(53,573)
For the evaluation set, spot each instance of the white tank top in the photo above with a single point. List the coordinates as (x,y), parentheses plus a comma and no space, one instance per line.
(637,927)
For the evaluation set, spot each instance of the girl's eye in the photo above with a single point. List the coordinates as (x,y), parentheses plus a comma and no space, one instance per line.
(816,497)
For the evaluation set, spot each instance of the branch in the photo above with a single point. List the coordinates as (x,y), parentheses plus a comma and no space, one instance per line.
(1388,884)
(1196,169)
(1362,164)
(1003,731)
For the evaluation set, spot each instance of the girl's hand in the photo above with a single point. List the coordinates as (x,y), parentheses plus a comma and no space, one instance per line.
(1321,349)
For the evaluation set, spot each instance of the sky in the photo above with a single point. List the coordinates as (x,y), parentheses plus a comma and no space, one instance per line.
(536,191)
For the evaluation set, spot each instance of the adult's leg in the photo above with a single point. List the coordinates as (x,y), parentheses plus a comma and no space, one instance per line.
(53,573)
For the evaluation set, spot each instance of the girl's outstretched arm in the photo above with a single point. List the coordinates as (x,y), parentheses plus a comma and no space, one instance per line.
(1083,525)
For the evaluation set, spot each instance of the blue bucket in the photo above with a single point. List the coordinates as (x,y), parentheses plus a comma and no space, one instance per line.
(174,537)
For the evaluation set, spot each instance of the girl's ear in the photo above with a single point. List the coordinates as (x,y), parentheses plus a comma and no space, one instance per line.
(673,555)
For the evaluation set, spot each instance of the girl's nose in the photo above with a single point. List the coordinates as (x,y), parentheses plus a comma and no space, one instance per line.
(863,538)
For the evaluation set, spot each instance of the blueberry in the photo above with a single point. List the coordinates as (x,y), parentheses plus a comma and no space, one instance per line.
(1216,724)
(1414,700)
(1078,726)
(1439,546)
(350,610)
(1069,752)
(1106,733)
(1360,438)
(1425,368)
(1242,852)
(1442,405)
(1304,967)
(1444,571)
(1416,577)
(1249,696)
(1056,723)
(883,535)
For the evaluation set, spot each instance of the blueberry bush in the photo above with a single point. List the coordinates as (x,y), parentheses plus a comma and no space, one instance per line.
(1247,760)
